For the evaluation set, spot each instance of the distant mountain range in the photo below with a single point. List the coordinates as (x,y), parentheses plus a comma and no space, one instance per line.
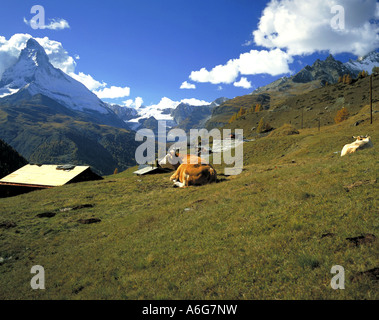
(177,115)
(49,117)
(322,72)
(186,116)
(277,93)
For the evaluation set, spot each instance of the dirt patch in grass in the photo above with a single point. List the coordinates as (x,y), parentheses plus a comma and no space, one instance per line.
(372,274)
(364,239)
(8,224)
(358,184)
(89,221)
(327,235)
(46,215)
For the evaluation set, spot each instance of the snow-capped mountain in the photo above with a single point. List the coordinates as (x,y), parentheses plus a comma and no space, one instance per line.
(173,112)
(34,73)
(365,63)
(160,111)
(123,112)
(218,102)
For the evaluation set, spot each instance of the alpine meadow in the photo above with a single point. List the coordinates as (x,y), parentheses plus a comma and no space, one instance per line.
(98,203)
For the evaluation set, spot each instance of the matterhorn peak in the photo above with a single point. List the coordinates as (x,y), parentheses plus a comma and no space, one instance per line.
(32,44)
(34,73)
(34,52)
(31,61)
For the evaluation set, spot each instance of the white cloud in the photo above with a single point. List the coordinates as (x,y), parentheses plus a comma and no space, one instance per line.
(297,27)
(87,80)
(195,102)
(113,92)
(220,74)
(58,24)
(55,24)
(165,103)
(272,62)
(10,50)
(243,83)
(304,26)
(137,103)
(59,58)
(187,85)
(168,103)
(248,43)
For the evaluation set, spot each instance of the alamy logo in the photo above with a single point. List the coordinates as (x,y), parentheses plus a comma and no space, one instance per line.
(223,146)
(338,21)
(38,21)
(338,281)
(38,281)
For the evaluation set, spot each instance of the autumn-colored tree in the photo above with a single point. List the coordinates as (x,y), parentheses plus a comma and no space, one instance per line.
(347,79)
(263,126)
(115,171)
(258,107)
(241,112)
(362,74)
(340,79)
(233,118)
(342,115)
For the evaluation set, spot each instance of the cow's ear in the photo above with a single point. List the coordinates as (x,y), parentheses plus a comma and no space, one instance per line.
(355,137)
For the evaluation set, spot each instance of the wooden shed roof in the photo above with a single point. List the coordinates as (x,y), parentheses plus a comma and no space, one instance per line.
(43,175)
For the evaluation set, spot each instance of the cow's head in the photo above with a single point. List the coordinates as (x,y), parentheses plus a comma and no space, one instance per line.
(362,138)
(170,160)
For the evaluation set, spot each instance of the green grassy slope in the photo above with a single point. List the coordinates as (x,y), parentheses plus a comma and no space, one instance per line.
(273,232)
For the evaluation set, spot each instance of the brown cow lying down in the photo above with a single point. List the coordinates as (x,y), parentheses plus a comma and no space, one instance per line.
(360,143)
(192,171)
(193,175)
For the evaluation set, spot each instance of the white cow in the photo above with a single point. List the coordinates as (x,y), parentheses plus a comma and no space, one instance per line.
(360,143)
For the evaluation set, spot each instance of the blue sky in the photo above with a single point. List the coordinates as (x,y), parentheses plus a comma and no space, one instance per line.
(153,46)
